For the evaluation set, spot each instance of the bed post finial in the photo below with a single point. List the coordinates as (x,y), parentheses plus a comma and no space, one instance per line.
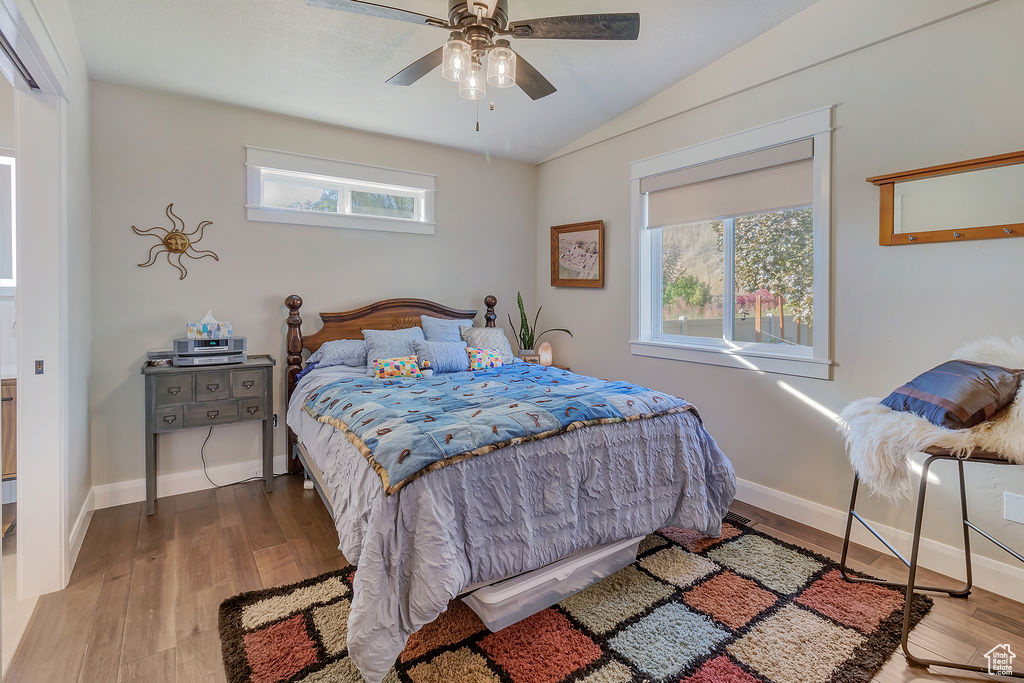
(293,346)
(490,301)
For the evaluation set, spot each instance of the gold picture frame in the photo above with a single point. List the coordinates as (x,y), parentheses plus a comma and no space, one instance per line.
(577,254)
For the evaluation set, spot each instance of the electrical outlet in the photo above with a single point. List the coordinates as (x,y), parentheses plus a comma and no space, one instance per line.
(275,420)
(1013,507)
(39,367)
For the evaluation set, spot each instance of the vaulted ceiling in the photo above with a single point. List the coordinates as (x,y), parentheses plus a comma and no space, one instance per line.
(287,57)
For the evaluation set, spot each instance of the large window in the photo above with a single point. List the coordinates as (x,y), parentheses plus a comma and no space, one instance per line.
(291,188)
(731,241)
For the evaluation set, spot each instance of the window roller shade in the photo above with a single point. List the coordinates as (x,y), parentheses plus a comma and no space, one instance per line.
(775,178)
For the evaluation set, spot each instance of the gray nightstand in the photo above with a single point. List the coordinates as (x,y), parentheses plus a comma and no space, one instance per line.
(186,398)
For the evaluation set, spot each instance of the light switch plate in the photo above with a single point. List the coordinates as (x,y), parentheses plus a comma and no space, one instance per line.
(1013,507)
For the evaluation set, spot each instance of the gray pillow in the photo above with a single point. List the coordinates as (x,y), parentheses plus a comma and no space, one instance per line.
(442,330)
(390,344)
(351,352)
(442,356)
(488,338)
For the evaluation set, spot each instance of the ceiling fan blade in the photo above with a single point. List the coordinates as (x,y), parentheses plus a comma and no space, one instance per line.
(624,26)
(418,69)
(375,10)
(531,81)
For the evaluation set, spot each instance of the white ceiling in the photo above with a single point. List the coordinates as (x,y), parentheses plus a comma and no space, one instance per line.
(284,56)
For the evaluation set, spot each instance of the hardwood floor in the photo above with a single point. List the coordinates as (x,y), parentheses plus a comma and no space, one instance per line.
(142,602)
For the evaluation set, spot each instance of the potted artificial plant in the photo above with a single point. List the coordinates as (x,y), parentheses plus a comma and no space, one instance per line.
(527,335)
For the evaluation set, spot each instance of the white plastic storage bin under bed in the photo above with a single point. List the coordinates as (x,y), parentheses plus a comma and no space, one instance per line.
(503,604)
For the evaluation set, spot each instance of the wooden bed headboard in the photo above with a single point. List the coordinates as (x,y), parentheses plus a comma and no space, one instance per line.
(389,314)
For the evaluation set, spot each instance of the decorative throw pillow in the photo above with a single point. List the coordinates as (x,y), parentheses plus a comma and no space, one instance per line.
(481,359)
(441,356)
(957,394)
(406,366)
(351,352)
(389,344)
(443,330)
(489,338)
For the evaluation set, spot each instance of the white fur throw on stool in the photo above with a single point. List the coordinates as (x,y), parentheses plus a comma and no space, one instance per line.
(880,441)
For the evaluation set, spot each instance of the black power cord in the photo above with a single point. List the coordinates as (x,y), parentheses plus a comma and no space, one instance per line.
(202,454)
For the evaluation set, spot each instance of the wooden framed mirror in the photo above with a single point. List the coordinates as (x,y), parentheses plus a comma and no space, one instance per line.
(976,199)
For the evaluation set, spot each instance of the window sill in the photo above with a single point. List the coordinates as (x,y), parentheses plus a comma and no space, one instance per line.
(337,220)
(717,354)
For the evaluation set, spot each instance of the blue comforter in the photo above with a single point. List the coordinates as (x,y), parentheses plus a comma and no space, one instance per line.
(405,427)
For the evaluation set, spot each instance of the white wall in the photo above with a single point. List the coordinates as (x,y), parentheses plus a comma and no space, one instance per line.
(150,149)
(942,93)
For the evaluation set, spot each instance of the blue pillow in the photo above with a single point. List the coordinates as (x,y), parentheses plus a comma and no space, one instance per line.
(351,352)
(310,367)
(957,394)
(381,344)
(442,356)
(443,330)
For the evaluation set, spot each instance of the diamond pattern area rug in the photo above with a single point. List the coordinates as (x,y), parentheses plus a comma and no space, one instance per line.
(742,608)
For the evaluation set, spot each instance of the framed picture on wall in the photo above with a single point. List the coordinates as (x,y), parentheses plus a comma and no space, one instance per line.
(577,255)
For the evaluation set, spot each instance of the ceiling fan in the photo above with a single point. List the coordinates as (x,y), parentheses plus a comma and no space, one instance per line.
(478,30)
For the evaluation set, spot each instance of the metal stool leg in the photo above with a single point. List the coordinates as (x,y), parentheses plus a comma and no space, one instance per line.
(844,571)
(911,586)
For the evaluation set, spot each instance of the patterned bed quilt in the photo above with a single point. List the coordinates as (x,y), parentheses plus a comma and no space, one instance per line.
(405,427)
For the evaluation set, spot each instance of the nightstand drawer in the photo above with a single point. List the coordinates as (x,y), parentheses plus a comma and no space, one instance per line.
(251,409)
(212,413)
(169,418)
(212,386)
(173,389)
(246,383)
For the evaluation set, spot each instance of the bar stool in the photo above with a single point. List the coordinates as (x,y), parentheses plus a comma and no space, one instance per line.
(934,455)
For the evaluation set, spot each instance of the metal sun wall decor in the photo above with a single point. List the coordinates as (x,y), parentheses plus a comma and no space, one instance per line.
(176,242)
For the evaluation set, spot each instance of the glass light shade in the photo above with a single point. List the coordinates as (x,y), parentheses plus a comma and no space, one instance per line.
(501,67)
(475,85)
(544,351)
(456,59)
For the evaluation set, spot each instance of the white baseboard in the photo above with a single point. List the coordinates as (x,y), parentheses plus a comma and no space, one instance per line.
(78,529)
(173,483)
(998,577)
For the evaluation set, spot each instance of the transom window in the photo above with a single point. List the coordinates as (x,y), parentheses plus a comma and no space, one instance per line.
(731,239)
(289,188)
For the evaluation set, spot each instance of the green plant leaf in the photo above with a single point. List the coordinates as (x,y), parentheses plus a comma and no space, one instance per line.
(513,326)
(553,329)
(525,333)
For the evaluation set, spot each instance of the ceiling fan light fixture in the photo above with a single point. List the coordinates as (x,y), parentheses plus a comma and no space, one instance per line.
(456,59)
(475,85)
(501,65)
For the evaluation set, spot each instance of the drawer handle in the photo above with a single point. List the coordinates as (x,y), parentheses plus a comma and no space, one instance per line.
(173,391)
(252,410)
(8,398)
(212,387)
(170,419)
(212,414)
(248,384)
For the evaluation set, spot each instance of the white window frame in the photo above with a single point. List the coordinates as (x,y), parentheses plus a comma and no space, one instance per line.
(346,177)
(646,337)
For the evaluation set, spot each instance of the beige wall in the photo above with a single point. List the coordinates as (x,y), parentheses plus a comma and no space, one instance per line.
(942,93)
(150,149)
